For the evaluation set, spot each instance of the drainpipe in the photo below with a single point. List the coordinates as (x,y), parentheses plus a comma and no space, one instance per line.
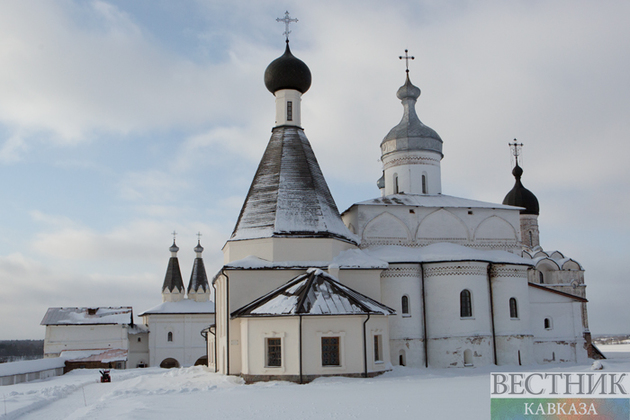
(301,350)
(494,339)
(216,362)
(365,374)
(424,319)
(227,320)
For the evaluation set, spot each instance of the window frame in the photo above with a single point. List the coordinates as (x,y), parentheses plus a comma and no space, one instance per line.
(329,342)
(277,348)
(513,305)
(378,348)
(169,337)
(404,305)
(465,302)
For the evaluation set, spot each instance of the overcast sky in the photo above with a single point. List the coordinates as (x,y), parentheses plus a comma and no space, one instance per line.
(123,121)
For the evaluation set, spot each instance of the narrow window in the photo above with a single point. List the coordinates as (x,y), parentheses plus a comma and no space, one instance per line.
(289,111)
(330,351)
(531,239)
(541,277)
(401,358)
(519,358)
(465,305)
(424,184)
(468,358)
(405,305)
(169,336)
(378,349)
(513,308)
(395,183)
(139,340)
(547,323)
(274,352)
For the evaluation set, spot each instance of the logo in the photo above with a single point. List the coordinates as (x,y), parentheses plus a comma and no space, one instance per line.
(540,395)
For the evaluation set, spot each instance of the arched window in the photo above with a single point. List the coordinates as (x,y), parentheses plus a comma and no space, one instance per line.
(395,183)
(169,336)
(465,304)
(531,239)
(468,357)
(513,308)
(541,277)
(424,184)
(405,305)
(548,324)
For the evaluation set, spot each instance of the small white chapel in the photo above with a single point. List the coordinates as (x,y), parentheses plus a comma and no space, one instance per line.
(411,277)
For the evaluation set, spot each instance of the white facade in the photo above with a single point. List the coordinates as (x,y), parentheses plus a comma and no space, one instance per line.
(455,277)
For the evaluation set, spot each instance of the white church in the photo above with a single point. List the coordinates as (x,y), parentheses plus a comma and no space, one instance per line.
(412,277)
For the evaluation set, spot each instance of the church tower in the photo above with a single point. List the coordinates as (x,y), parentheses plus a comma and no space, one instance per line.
(520,196)
(198,288)
(289,207)
(173,287)
(411,152)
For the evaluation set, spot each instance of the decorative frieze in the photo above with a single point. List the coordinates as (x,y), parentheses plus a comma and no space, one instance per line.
(509,271)
(411,160)
(456,270)
(405,271)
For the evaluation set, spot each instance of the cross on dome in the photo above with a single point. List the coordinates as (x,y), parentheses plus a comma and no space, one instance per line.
(174,236)
(287,20)
(407,57)
(515,148)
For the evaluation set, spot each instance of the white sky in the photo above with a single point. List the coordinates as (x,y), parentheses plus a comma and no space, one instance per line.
(123,121)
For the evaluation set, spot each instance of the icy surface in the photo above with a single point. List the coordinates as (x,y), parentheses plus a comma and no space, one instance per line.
(185,306)
(443,251)
(78,316)
(189,393)
(28,366)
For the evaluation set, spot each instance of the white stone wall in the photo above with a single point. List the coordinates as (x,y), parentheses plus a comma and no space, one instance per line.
(349,329)
(414,226)
(84,337)
(408,167)
(563,341)
(138,350)
(187,346)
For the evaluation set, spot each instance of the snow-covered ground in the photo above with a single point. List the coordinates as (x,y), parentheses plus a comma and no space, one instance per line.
(196,392)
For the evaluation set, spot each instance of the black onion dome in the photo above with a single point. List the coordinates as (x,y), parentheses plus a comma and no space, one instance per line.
(520,196)
(287,72)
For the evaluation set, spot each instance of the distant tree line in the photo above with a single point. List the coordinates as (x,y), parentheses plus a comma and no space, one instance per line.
(12,350)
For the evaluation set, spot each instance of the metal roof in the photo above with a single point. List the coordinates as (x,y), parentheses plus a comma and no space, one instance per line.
(313,293)
(289,196)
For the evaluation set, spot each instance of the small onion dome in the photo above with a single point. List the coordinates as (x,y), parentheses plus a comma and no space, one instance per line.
(287,72)
(198,249)
(174,248)
(521,196)
(408,90)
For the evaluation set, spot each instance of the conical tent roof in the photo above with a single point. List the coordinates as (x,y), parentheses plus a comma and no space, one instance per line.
(289,196)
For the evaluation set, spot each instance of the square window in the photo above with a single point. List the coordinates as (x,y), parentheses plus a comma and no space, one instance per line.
(330,351)
(274,352)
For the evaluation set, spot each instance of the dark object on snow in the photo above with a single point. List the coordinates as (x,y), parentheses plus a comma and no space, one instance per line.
(105,377)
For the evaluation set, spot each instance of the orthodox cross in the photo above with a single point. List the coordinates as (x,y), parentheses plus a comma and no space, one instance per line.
(287,20)
(174,235)
(198,236)
(407,57)
(515,148)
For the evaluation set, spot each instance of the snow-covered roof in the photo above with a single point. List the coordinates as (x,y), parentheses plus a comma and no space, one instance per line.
(313,293)
(443,251)
(349,259)
(28,366)
(184,306)
(289,196)
(95,355)
(438,200)
(121,315)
